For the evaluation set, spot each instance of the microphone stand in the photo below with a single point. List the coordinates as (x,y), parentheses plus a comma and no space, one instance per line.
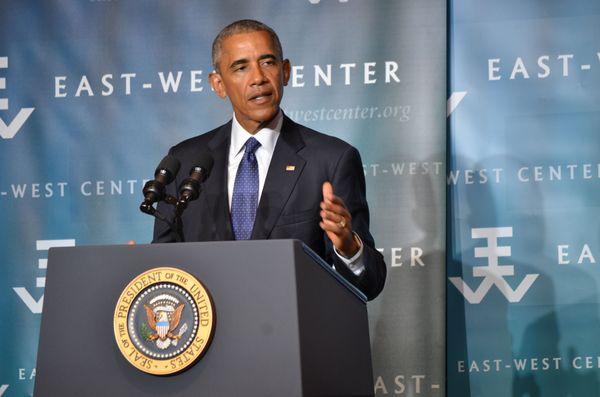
(177,224)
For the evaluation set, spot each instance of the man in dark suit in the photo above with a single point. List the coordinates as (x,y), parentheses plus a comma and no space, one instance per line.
(273,178)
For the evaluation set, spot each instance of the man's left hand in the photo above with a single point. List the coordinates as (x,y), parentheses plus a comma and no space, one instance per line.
(336,221)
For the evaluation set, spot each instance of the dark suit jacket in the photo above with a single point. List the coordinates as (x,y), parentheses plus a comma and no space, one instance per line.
(289,204)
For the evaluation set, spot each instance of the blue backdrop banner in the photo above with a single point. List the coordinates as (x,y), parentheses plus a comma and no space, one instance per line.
(94,92)
(523,198)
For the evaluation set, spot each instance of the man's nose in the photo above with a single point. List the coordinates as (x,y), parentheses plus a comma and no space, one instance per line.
(257,75)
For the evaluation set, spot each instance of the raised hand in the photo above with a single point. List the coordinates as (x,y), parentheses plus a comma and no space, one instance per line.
(336,221)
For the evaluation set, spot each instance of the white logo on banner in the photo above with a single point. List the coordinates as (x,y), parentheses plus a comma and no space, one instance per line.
(40,282)
(3,389)
(9,131)
(174,82)
(453,101)
(493,273)
(528,68)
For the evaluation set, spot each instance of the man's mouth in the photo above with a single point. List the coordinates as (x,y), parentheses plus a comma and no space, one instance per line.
(261,98)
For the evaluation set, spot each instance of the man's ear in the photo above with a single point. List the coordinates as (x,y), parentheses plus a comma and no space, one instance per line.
(216,82)
(287,71)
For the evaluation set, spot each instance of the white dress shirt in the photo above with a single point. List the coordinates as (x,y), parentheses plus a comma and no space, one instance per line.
(268,136)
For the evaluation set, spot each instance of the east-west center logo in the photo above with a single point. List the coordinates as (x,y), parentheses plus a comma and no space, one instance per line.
(493,273)
(8,131)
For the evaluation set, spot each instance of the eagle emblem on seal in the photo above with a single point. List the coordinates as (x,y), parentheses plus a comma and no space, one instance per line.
(163,315)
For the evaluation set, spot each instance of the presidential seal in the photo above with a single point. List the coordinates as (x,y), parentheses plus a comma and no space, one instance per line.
(164,321)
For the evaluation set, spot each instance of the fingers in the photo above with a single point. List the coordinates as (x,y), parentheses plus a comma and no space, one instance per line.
(341,237)
(335,215)
(343,219)
(329,196)
(339,210)
(328,191)
(336,200)
(336,222)
(333,227)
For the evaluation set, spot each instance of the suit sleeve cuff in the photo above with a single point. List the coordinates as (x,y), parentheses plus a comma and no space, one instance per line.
(355,264)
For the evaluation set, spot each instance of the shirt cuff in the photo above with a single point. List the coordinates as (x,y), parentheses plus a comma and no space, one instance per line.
(355,264)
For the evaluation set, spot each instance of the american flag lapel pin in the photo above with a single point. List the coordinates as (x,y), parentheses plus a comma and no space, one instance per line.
(290,167)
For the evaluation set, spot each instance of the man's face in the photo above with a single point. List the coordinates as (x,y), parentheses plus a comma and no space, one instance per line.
(252,76)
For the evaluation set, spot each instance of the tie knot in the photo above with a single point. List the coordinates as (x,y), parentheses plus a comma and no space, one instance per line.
(251,145)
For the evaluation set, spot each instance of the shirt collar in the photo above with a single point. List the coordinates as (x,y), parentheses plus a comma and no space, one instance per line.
(267,136)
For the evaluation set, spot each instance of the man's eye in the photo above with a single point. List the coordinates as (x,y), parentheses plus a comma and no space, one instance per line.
(269,62)
(239,69)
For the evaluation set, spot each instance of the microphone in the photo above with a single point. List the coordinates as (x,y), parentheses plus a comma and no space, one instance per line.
(154,190)
(190,188)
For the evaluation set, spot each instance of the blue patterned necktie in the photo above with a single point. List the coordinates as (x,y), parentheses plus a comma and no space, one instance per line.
(245,193)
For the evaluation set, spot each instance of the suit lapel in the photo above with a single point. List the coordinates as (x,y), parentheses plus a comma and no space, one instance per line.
(216,191)
(284,170)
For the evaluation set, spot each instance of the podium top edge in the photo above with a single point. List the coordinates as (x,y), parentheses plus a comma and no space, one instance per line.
(316,258)
(338,277)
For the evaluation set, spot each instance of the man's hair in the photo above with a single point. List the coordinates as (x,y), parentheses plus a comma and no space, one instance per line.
(242,26)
